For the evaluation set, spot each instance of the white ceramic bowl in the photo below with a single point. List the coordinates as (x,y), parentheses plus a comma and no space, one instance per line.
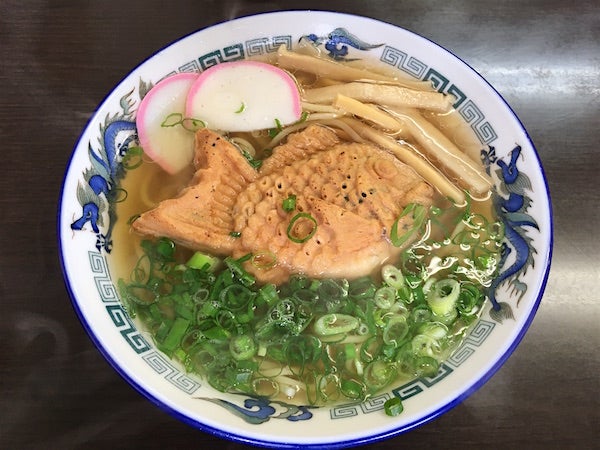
(85,243)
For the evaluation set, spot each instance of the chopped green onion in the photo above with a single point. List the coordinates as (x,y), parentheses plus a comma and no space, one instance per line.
(370,349)
(419,214)
(302,350)
(133,218)
(379,374)
(142,271)
(191,124)
(289,204)
(303,117)
(275,131)
(420,314)
(165,248)
(242,347)
(235,266)
(328,387)
(188,123)
(297,231)
(332,290)
(339,339)
(385,297)
(255,163)
(443,296)
(133,158)
(470,296)
(192,338)
(307,296)
(350,351)
(241,108)
(265,387)
(362,288)
(393,406)
(331,324)
(264,260)
(172,120)
(268,294)
(395,330)
(226,320)
(199,359)
(435,330)
(235,234)
(426,366)
(424,345)
(201,295)
(175,335)
(392,276)
(353,389)
(236,297)
(119,195)
(202,261)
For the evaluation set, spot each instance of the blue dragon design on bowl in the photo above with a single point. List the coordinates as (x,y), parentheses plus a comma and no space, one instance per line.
(100,190)
(336,43)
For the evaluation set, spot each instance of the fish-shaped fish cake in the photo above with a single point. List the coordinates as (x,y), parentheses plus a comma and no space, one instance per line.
(347,198)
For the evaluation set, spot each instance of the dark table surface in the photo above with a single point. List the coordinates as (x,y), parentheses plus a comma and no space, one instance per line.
(60,58)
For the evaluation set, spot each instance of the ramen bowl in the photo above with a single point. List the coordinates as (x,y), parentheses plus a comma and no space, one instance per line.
(87,217)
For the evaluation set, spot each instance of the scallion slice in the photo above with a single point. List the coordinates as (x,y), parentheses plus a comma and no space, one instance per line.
(202,261)
(242,347)
(418,213)
(297,230)
(385,297)
(331,324)
(395,330)
(172,120)
(263,260)
(289,203)
(393,406)
(133,158)
(443,296)
(392,276)
(175,335)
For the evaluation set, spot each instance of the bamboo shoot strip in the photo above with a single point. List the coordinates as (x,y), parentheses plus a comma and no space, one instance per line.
(334,70)
(372,114)
(441,150)
(429,173)
(382,94)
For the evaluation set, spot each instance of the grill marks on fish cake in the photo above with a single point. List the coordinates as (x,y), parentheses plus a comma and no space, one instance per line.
(354,191)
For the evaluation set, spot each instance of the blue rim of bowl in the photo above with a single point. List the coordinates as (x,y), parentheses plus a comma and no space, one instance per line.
(329,445)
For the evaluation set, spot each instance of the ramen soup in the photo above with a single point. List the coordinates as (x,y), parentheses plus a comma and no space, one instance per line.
(317,259)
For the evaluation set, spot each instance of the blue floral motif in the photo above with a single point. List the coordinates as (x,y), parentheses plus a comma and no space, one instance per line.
(511,203)
(99,193)
(337,42)
(257,410)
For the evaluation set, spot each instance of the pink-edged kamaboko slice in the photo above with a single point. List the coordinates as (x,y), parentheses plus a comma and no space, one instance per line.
(170,146)
(244,96)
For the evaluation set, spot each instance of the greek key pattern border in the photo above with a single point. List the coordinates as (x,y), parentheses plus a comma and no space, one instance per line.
(163,367)
(372,404)
(250,48)
(466,107)
(477,336)
(119,317)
